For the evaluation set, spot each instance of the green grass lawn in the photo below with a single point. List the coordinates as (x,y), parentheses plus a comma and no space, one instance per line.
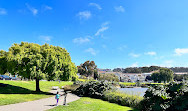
(21,91)
(127,83)
(90,104)
(131,83)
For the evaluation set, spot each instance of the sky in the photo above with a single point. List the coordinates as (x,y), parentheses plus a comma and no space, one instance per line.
(113,33)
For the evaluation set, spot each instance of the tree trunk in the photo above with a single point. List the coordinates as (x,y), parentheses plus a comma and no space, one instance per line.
(37,85)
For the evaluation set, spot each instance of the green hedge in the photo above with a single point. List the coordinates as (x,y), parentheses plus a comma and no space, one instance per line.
(122,98)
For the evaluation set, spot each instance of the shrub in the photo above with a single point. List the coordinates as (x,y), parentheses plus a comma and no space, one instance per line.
(171,97)
(93,89)
(122,98)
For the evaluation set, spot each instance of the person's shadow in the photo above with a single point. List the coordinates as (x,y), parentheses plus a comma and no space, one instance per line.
(51,105)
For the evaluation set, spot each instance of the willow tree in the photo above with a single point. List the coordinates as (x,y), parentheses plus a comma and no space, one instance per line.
(34,61)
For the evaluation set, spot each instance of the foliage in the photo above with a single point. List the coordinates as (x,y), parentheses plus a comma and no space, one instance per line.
(137,69)
(3,62)
(109,77)
(148,69)
(138,84)
(90,104)
(171,97)
(179,69)
(117,70)
(93,89)
(132,70)
(164,74)
(88,69)
(148,78)
(122,98)
(33,61)
(180,77)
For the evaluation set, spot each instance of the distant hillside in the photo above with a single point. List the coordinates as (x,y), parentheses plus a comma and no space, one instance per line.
(148,69)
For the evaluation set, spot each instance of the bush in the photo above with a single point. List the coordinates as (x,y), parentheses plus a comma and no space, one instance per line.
(122,98)
(180,77)
(94,89)
(171,97)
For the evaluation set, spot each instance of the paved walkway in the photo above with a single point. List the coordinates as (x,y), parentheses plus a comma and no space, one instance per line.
(39,105)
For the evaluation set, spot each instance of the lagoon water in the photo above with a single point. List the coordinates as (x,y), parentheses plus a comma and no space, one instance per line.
(134,91)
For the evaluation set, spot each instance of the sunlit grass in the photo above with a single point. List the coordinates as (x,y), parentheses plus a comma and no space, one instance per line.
(21,91)
(127,83)
(90,104)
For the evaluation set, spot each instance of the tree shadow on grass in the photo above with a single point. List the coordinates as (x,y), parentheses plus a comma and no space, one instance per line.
(10,89)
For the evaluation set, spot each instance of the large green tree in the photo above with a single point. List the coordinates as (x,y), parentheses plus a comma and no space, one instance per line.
(164,74)
(38,62)
(88,69)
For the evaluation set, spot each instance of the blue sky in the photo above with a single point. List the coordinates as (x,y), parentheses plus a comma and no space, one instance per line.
(113,33)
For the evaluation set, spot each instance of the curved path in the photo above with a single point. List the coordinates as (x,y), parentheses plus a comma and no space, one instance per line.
(39,105)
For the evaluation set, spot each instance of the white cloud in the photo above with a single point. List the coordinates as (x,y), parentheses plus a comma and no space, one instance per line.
(181,51)
(122,47)
(95,5)
(81,40)
(84,15)
(45,38)
(119,9)
(134,55)
(152,53)
(134,64)
(3,11)
(46,7)
(102,29)
(32,9)
(91,51)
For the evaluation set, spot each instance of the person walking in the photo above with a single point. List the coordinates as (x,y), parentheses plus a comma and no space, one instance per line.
(57,96)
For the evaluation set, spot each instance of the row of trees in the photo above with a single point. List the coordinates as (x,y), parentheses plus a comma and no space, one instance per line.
(179,69)
(148,69)
(136,69)
(34,61)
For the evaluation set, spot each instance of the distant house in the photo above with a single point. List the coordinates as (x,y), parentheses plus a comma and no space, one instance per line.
(180,73)
(127,77)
